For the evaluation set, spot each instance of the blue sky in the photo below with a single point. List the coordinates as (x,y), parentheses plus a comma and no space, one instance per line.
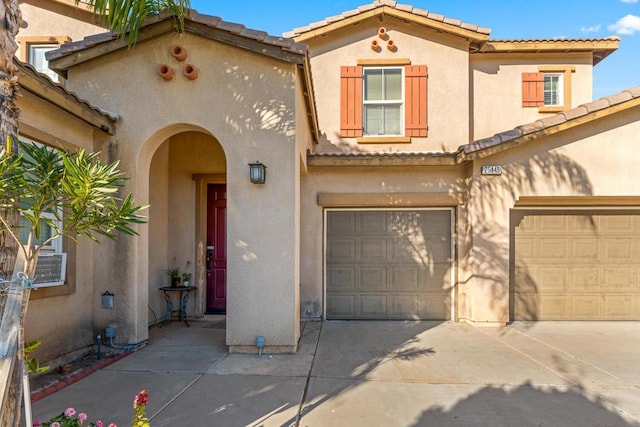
(507,19)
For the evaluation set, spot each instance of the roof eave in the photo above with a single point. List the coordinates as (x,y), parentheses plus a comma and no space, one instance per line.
(41,86)
(474,37)
(310,99)
(214,28)
(600,48)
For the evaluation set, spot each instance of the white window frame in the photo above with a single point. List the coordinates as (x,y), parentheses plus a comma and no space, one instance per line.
(401,102)
(559,92)
(41,48)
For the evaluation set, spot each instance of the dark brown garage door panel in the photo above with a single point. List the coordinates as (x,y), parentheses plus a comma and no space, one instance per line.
(577,267)
(388,264)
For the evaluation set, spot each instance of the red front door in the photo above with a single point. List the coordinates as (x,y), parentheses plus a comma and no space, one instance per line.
(216,248)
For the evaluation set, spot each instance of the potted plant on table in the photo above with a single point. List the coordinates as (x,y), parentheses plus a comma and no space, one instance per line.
(186,275)
(174,275)
(186,279)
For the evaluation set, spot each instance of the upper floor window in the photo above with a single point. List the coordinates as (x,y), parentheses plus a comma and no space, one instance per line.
(383,101)
(553,90)
(549,89)
(39,61)
(32,50)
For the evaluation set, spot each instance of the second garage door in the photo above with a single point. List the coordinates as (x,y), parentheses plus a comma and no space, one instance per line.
(577,267)
(383,264)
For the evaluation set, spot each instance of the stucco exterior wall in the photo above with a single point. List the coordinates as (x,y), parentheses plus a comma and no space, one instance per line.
(496,88)
(591,160)
(248,103)
(447,60)
(49,18)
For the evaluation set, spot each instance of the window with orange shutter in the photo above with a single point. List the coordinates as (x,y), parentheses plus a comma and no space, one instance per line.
(532,89)
(383,101)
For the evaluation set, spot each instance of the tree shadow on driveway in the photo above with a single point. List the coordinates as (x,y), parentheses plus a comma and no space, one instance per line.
(525,405)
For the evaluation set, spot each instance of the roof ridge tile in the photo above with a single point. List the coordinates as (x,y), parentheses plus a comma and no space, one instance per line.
(394,5)
(574,113)
(209,20)
(600,104)
(619,98)
(634,91)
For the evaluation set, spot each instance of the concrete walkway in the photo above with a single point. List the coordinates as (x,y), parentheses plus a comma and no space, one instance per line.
(376,374)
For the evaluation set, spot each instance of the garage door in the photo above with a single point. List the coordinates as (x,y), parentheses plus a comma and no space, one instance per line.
(384,264)
(577,267)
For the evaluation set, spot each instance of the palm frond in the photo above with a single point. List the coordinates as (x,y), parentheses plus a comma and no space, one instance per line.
(126,17)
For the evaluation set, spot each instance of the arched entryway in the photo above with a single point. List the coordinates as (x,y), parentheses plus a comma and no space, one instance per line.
(187,218)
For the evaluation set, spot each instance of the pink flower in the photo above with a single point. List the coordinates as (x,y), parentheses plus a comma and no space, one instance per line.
(82,417)
(70,412)
(55,424)
(99,424)
(112,425)
(37,423)
(141,399)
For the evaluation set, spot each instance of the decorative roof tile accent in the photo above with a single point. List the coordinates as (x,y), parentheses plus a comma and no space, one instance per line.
(386,3)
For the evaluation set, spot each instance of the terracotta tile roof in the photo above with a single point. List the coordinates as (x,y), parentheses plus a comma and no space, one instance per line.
(382,158)
(382,154)
(211,22)
(394,5)
(555,40)
(546,123)
(30,70)
(599,47)
(497,142)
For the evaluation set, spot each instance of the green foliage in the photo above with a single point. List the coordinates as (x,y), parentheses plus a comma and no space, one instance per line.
(126,16)
(32,365)
(78,192)
(174,273)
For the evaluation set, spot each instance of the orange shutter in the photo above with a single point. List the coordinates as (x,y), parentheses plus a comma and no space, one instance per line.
(532,89)
(350,101)
(415,86)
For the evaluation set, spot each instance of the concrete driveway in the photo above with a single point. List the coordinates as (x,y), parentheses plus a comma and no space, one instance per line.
(375,373)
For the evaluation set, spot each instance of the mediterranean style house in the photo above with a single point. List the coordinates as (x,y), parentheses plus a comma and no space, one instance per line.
(416,168)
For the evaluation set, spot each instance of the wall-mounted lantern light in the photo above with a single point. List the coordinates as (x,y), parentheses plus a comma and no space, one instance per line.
(257,172)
